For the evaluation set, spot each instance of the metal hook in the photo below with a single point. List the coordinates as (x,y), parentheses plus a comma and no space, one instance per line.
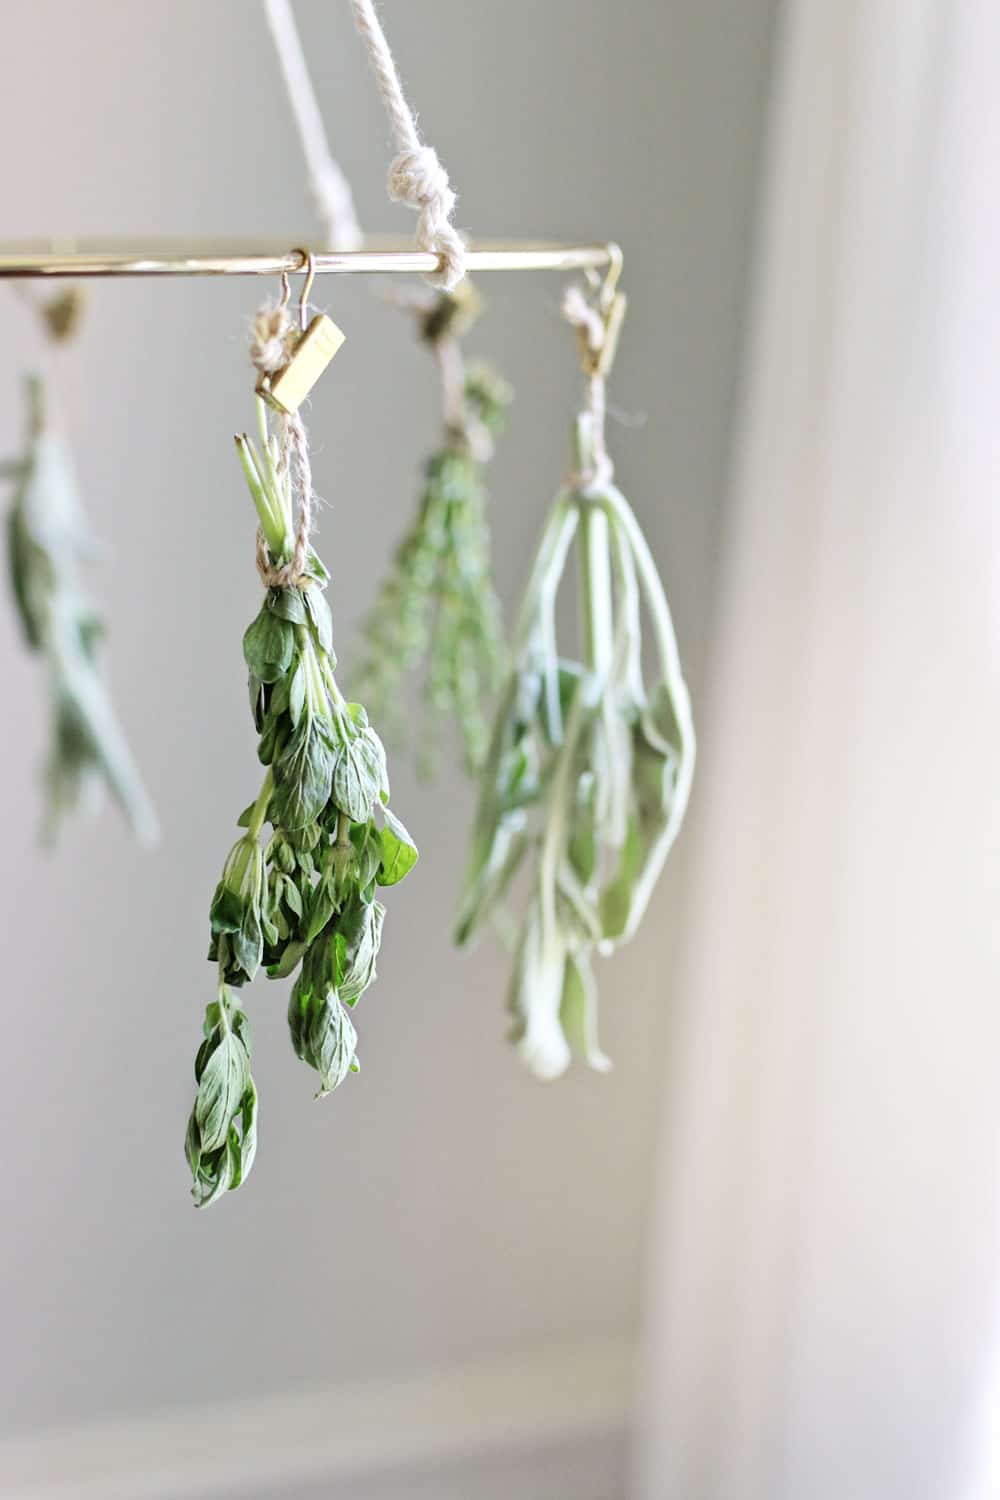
(309,266)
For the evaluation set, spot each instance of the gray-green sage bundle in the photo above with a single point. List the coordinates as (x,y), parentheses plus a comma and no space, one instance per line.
(590,764)
(47,538)
(437,614)
(298,892)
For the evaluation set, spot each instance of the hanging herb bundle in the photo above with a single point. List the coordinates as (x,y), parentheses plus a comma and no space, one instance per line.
(589,768)
(437,611)
(47,538)
(303,896)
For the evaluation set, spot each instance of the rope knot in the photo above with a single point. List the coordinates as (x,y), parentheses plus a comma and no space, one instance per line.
(417,178)
(584,317)
(271,336)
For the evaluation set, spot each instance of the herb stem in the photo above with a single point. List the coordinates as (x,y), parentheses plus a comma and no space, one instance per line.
(595,578)
(272,520)
(260,807)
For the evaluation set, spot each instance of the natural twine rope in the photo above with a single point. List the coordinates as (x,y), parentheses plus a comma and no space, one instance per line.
(273,337)
(416,176)
(591,331)
(328,187)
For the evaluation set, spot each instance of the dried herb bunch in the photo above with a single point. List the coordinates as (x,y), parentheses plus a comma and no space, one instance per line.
(298,890)
(437,612)
(590,765)
(47,539)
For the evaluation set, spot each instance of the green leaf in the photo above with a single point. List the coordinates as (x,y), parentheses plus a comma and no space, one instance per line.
(297,693)
(367,841)
(578,1012)
(332,1043)
(361,929)
(288,962)
(658,722)
(319,613)
(616,898)
(222,1085)
(226,913)
(383,764)
(299,1009)
(316,569)
(268,645)
(583,838)
(214,1177)
(322,909)
(287,604)
(244,1144)
(248,943)
(356,778)
(192,1145)
(303,773)
(243,821)
(290,894)
(399,852)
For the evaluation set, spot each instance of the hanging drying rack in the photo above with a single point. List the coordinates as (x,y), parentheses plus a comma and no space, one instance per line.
(62,258)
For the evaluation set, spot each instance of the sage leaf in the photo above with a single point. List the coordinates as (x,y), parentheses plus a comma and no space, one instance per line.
(578,1012)
(587,776)
(47,539)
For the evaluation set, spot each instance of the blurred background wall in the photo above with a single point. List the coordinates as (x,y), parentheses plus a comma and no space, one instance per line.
(823,1303)
(445,1218)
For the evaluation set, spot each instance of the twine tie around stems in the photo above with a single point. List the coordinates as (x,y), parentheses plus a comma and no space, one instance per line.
(591,333)
(273,338)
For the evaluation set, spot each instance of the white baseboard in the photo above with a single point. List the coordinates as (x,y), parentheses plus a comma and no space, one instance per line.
(540,1425)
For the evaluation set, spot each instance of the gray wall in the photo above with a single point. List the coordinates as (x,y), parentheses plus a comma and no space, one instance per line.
(443,1205)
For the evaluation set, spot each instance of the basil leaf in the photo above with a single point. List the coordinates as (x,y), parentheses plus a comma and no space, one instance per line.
(244,1145)
(356,778)
(399,852)
(222,1085)
(361,929)
(296,694)
(226,914)
(367,842)
(288,961)
(322,909)
(332,1043)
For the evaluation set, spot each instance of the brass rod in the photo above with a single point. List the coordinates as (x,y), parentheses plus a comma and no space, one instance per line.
(24,261)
